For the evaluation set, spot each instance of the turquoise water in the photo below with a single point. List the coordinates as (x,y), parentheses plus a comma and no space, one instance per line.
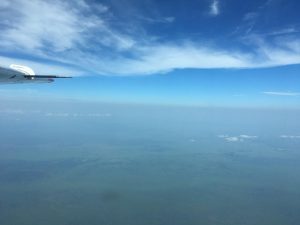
(84,163)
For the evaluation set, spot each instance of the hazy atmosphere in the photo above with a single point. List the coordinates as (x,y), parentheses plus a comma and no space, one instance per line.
(177,112)
(88,163)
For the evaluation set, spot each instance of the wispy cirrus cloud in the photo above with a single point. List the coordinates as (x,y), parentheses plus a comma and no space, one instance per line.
(49,26)
(277,93)
(169,19)
(87,37)
(214,8)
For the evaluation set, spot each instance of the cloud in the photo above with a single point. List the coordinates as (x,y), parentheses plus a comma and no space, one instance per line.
(233,139)
(244,136)
(215,8)
(281,93)
(76,115)
(16,111)
(253,18)
(169,19)
(222,136)
(12,111)
(239,138)
(290,136)
(163,58)
(39,24)
(82,37)
(50,114)
(285,31)
(99,114)
(58,26)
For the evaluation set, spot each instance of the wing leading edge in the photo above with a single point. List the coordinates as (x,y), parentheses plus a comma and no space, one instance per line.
(23,74)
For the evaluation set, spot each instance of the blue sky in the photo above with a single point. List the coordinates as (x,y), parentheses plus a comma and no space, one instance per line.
(198,52)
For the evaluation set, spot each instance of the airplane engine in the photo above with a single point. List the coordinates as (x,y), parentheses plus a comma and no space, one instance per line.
(23,69)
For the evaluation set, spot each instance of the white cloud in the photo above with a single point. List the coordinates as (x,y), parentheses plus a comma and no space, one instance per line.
(215,8)
(12,111)
(16,111)
(169,19)
(239,138)
(79,35)
(101,8)
(233,139)
(155,58)
(57,25)
(281,93)
(290,136)
(250,16)
(162,58)
(288,30)
(223,136)
(75,114)
(244,136)
(38,23)
(99,115)
(50,114)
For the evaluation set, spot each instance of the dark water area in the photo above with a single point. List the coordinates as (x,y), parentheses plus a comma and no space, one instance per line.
(84,163)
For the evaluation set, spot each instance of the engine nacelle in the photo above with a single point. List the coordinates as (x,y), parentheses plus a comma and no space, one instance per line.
(23,69)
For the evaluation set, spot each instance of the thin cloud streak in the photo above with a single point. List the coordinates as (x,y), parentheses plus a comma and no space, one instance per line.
(12,111)
(281,93)
(290,136)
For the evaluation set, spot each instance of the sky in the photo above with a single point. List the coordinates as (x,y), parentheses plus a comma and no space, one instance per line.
(196,52)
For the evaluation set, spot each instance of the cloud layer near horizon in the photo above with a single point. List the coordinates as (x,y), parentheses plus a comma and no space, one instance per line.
(81,37)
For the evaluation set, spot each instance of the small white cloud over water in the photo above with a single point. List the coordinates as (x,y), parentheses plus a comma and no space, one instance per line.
(50,114)
(239,138)
(12,111)
(65,114)
(24,112)
(247,136)
(290,136)
(233,139)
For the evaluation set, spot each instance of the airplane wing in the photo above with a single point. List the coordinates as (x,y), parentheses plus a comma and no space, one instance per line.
(22,74)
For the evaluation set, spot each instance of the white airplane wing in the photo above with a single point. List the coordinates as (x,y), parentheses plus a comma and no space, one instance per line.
(23,74)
